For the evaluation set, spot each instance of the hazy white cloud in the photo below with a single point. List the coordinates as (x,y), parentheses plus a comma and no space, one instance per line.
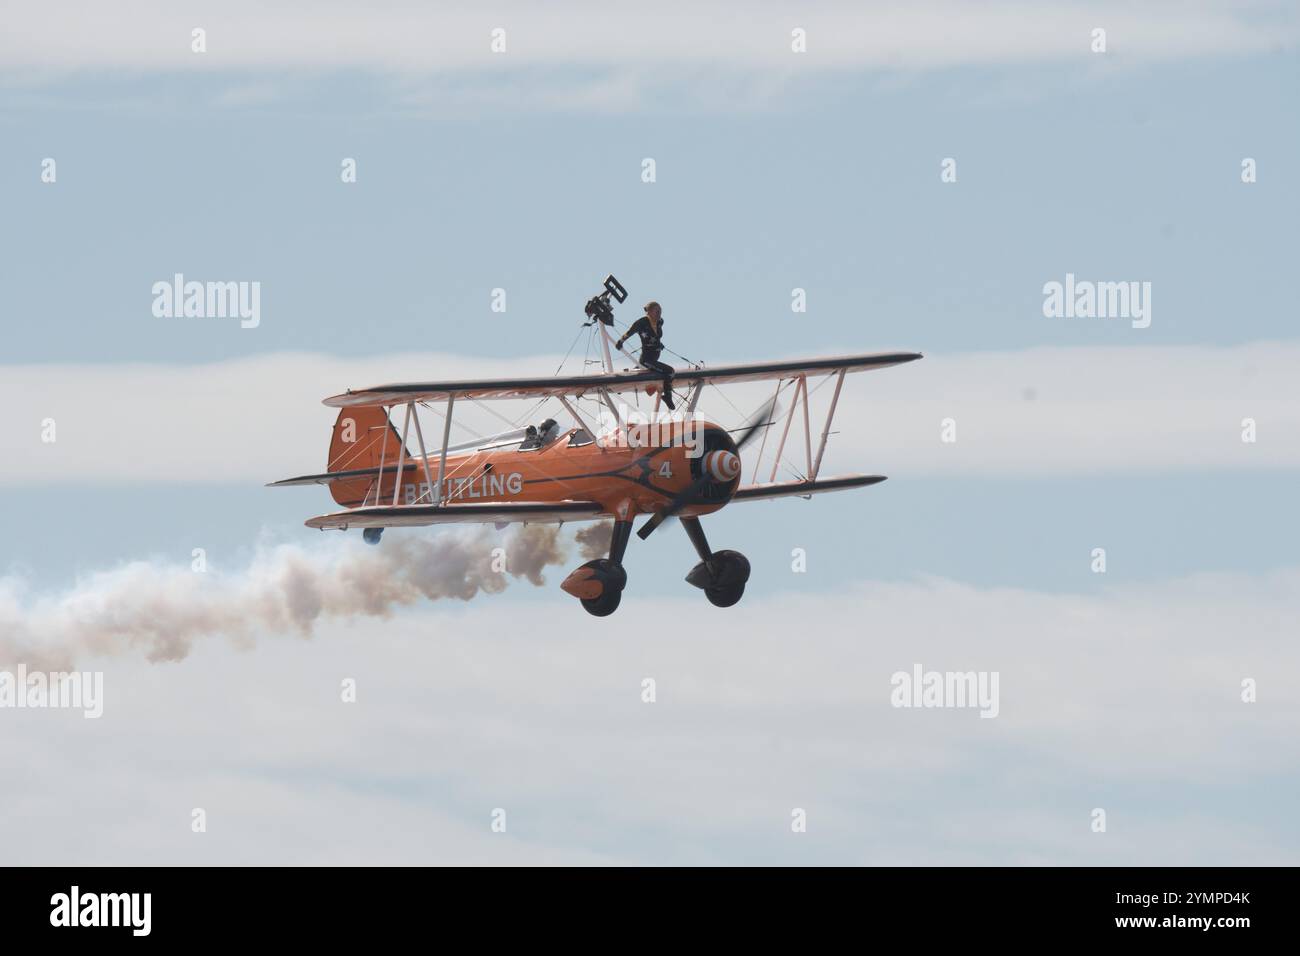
(1047,411)
(431,38)
(1069,411)
(1129,700)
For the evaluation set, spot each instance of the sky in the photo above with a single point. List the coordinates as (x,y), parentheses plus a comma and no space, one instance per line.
(1174,447)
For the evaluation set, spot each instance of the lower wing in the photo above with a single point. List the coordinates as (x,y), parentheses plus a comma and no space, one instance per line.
(415,516)
(804,489)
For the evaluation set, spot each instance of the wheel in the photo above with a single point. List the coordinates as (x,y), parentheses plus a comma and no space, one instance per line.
(605,605)
(722,577)
(601,577)
(725,597)
(372,535)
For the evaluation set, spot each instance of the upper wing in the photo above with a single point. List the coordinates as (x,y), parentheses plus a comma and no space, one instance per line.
(411,516)
(627,381)
(786,489)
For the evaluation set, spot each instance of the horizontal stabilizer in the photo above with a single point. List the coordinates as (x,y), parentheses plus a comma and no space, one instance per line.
(327,477)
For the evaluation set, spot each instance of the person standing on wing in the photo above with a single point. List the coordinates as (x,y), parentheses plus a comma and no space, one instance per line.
(650,327)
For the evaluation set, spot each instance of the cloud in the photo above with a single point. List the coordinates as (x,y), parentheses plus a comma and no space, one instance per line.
(1128,700)
(432,39)
(1037,412)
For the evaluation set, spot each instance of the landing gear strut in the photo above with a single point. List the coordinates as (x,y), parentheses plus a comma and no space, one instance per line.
(599,584)
(720,574)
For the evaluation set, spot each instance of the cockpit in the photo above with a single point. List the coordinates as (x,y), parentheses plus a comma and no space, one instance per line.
(532,438)
(539,436)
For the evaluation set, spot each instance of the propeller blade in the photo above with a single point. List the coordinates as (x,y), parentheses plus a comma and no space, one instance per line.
(667,511)
(757,423)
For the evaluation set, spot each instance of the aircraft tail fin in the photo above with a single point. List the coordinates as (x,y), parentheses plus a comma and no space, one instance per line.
(363,438)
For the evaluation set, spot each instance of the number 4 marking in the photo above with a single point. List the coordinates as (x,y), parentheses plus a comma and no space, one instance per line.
(666,470)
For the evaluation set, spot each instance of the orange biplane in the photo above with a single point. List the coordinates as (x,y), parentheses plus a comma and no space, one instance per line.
(684,467)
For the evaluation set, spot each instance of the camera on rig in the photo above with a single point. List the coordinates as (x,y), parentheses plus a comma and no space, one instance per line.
(598,308)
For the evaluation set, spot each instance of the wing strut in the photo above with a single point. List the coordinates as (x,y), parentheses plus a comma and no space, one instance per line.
(609,403)
(383,448)
(807,429)
(695,398)
(401,454)
(830,415)
(424,455)
(801,398)
(579,419)
(442,457)
(789,419)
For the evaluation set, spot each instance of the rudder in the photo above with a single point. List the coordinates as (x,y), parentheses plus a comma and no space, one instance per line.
(362,438)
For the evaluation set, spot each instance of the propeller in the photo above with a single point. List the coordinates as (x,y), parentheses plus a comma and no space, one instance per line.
(761,419)
(719,466)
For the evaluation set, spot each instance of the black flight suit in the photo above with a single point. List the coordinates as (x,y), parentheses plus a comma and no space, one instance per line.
(651,347)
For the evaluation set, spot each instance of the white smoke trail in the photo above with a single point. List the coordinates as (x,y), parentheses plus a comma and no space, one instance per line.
(162,611)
